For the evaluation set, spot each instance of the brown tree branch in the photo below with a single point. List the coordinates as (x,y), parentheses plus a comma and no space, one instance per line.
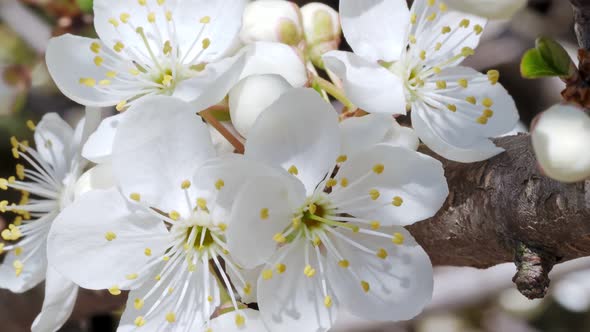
(504,210)
(582,19)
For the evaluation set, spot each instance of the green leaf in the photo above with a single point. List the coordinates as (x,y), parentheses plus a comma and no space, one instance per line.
(548,59)
(85,5)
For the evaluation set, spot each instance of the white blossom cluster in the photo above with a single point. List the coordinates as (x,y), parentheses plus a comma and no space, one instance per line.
(228,181)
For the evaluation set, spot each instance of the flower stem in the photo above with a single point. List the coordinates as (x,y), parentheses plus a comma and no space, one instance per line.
(334,91)
(209,117)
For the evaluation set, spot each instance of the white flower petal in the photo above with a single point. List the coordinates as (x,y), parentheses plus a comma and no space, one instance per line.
(263,207)
(80,238)
(250,276)
(375,28)
(299,130)
(402,136)
(99,177)
(53,140)
(359,133)
(399,286)
(99,146)
(60,298)
(416,180)
(464,135)
(275,58)
(226,322)
(291,301)
(160,144)
(492,9)
(211,85)
(368,85)
(69,59)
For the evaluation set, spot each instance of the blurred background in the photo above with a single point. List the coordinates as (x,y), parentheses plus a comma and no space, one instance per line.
(465,299)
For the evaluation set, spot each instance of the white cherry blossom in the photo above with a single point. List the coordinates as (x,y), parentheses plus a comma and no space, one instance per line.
(492,9)
(330,232)
(409,60)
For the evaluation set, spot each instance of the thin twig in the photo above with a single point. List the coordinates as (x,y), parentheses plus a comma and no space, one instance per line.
(207,115)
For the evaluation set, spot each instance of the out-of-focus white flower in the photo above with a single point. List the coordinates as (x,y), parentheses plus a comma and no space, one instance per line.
(249,98)
(573,291)
(560,136)
(409,59)
(150,47)
(159,238)
(47,186)
(323,33)
(272,21)
(492,9)
(332,239)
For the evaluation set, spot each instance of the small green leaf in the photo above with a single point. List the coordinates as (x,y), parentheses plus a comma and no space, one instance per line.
(85,5)
(548,59)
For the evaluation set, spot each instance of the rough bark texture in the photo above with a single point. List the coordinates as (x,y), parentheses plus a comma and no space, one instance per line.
(500,204)
(582,18)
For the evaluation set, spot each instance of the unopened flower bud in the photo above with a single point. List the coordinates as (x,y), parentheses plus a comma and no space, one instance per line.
(272,20)
(251,96)
(492,9)
(560,138)
(322,29)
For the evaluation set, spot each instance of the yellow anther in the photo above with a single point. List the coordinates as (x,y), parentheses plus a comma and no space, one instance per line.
(18,251)
(151,17)
(199,67)
(142,2)
(174,215)
(98,61)
(412,39)
(121,106)
(187,184)
(95,47)
(341,159)
(206,43)
(488,113)
(431,17)
(309,271)
(445,30)
(18,267)
(119,47)
(423,55)
(138,303)
(167,47)
(296,222)
(240,320)
(205,19)
(170,317)
(170,290)
(366,287)
(222,226)
(279,238)
(132,276)
(465,23)
(344,264)
(437,70)
(430,3)
(267,274)
(147,252)
(110,236)
(134,71)
(438,46)
(397,201)
(115,290)
(471,100)
(15,153)
(161,2)
(89,82)
(487,102)
(452,108)
(192,267)
(139,321)
(493,76)
(478,29)
(247,289)
(219,184)
(209,298)
(14,142)
(18,221)
(124,17)
(443,7)
(293,170)
(1,248)
(482,120)
(111,74)
(328,301)
(264,213)
(344,182)
(467,51)
(167,80)
(375,225)
(168,16)
(166,258)
(281,268)
(104,82)
(379,168)
(316,241)
(312,208)
(331,183)
(374,193)
(114,22)
(398,238)
(382,253)
(158,278)
(413,18)
(135,196)
(463,83)
(3,184)
(441,85)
